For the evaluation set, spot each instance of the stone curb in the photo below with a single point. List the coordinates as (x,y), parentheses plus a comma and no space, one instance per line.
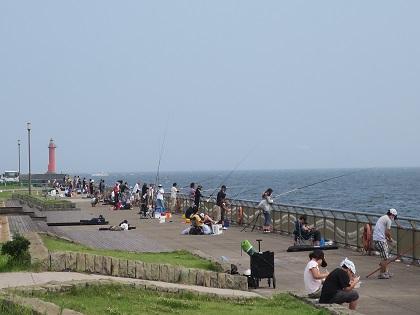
(335,309)
(55,286)
(223,267)
(37,306)
(111,266)
(37,249)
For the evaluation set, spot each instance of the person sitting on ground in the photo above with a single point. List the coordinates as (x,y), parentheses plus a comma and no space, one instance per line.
(312,277)
(339,284)
(95,200)
(190,211)
(123,226)
(207,219)
(197,224)
(303,230)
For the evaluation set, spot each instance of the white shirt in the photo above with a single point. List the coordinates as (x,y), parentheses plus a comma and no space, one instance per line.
(124,226)
(383,224)
(174,191)
(160,193)
(311,284)
(265,204)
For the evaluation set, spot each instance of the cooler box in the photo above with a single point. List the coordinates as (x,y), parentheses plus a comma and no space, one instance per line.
(217,229)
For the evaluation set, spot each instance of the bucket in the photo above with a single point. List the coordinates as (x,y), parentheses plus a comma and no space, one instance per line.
(162,219)
(157,215)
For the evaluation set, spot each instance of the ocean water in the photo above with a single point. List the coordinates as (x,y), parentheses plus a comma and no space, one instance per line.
(367,190)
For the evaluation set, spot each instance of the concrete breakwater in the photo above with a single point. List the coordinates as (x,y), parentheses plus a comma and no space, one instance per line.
(343,227)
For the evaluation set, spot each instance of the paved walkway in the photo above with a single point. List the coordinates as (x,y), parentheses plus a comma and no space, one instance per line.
(398,295)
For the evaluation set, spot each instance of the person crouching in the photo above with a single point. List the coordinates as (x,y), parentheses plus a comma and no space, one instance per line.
(339,286)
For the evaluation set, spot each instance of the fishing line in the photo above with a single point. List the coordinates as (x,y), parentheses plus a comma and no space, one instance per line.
(316,183)
(233,170)
(162,148)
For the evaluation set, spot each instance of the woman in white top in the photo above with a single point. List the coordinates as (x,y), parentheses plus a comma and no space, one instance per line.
(265,205)
(312,277)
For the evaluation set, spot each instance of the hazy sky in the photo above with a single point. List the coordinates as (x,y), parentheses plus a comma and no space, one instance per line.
(307,84)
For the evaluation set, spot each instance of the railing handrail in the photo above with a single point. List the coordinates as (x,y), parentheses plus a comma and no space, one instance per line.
(331,210)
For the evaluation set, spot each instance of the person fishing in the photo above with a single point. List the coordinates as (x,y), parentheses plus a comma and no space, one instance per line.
(381,237)
(306,232)
(160,204)
(197,196)
(265,205)
(221,202)
(191,193)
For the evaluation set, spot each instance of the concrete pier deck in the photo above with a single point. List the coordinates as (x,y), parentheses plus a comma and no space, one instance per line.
(399,295)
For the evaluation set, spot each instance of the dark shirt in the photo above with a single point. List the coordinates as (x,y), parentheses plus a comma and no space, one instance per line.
(336,280)
(189,212)
(220,197)
(197,197)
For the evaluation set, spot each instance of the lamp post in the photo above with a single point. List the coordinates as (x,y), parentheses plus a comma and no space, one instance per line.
(19,158)
(28,125)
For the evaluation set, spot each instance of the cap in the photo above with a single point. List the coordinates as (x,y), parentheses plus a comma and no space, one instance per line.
(349,264)
(393,212)
(160,185)
(319,254)
(202,215)
(247,272)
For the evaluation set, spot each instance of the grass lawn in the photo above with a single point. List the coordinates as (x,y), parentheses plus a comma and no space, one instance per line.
(7,309)
(126,299)
(4,195)
(180,258)
(8,265)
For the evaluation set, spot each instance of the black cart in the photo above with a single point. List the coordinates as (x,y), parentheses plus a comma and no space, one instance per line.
(262,267)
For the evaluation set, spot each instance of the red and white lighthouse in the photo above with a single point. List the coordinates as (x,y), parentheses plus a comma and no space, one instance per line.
(51,157)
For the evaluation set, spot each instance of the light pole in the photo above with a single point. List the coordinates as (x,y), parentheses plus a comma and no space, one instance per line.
(28,125)
(19,158)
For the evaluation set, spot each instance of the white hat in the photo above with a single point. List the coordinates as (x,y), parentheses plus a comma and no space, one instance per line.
(349,264)
(393,211)
(160,185)
(247,272)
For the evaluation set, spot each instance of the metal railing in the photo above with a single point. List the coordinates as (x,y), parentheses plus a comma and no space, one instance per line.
(341,226)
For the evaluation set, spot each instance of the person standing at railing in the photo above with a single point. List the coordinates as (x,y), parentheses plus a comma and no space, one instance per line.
(221,202)
(174,192)
(381,237)
(191,194)
(265,205)
(160,205)
(197,196)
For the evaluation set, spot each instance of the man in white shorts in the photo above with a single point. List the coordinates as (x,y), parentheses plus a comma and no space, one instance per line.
(381,237)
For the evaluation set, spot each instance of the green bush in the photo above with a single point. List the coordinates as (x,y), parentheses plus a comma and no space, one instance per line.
(17,249)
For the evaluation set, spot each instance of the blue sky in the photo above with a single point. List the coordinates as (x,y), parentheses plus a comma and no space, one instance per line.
(300,84)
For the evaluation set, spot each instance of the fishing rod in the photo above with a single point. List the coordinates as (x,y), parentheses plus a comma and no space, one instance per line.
(242,192)
(394,259)
(162,148)
(316,183)
(233,170)
(206,179)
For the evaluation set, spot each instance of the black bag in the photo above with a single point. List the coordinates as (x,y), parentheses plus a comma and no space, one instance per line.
(196,230)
